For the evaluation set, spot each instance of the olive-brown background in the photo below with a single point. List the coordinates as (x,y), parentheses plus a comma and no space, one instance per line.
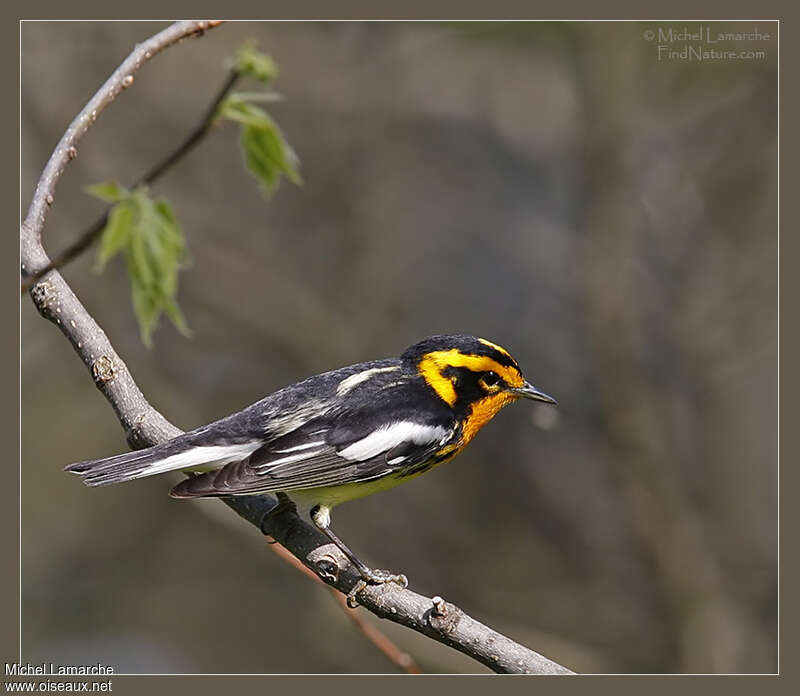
(608,217)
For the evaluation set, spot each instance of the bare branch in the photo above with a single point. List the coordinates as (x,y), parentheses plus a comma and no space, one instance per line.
(144,426)
(435,618)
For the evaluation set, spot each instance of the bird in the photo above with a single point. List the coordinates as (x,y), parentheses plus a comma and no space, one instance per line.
(339,435)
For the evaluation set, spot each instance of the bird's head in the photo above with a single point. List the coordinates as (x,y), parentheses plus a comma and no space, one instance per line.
(475,377)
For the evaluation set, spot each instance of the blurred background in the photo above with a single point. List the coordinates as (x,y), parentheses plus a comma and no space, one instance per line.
(607,216)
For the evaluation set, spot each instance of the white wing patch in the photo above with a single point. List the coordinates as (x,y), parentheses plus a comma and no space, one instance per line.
(278,463)
(389,436)
(353,380)
(203,456)
(307,445)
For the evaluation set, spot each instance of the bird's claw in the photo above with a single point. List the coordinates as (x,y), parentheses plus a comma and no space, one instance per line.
(374,577)
(352,600)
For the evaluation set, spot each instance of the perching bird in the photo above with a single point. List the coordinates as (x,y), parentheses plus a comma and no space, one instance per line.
(340,435)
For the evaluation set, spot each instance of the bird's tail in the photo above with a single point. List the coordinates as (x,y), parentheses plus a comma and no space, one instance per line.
(182,453)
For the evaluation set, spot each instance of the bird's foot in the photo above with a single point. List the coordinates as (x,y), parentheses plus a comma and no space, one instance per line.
(374,577)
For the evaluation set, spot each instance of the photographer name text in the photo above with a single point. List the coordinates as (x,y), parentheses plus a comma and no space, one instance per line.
(49,668)
(707,34)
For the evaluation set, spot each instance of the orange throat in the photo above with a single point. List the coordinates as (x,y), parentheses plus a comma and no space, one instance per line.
(482,412)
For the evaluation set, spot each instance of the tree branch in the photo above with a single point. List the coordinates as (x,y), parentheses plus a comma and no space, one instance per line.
(145,426)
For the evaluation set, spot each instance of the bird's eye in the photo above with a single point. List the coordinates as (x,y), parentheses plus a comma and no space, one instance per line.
(491,378)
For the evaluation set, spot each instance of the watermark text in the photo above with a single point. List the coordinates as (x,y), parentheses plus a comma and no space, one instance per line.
(707,42)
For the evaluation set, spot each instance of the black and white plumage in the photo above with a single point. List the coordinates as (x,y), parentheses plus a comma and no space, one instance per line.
(317,433)
(341,434)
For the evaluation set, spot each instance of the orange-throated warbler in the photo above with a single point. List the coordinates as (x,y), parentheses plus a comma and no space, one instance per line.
(340,435)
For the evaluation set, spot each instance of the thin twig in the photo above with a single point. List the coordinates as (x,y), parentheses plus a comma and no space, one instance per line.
(93,231)
(145,426)
(394,653)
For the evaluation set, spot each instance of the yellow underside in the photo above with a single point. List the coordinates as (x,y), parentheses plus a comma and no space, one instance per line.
(331,496)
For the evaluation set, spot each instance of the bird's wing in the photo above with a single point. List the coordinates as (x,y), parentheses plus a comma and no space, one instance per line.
(315,458)
(233,438)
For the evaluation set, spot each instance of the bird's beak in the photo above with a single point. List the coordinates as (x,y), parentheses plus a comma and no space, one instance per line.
(528,391)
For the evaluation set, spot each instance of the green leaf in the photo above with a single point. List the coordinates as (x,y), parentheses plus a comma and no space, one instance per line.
(146,309)
(147,233)
(108,191)
(115,236)
(177,318)
(238,109)
(267,154)
(255,64)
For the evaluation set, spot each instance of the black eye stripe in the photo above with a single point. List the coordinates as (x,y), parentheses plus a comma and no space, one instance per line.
(491,378)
